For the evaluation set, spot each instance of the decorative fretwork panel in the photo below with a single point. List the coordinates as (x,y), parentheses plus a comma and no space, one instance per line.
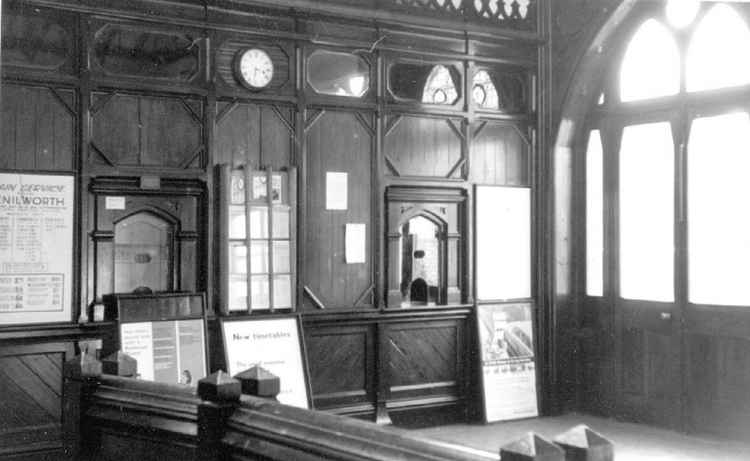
(515,14)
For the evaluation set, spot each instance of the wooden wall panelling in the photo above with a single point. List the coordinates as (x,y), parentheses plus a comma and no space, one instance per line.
(499,154)
(425,359)
(31,406)
(139,55)
(38,128)
(38,43)
(340,357)
(424,146)
(337,141)
(132,130)
(254,134)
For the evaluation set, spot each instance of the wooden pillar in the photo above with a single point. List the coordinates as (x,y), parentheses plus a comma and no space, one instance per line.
(531,447)
(221,395)
(580,443)
(80,377)
(259,382)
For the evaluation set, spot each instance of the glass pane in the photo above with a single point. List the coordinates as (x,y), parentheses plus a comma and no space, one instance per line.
(237,222)
(282,291)
(237,187)
(717,55)
(484,92)
(680,13)
(281,222)
(260,186)
(594,216)
(424,82)
(647,212)
(503,217)
(258,222)
(143,253)
(237,293)
(339,74)
(718,216)
(281,256)
(440,87)
(651,66)
(259,292)
(259,257)
(237,258)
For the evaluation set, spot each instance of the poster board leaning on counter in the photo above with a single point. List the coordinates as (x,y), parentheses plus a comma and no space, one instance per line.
(165,333)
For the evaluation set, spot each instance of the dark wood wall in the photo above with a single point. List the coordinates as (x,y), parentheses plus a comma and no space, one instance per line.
(114,92)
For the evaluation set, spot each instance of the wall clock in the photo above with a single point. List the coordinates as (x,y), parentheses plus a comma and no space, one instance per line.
(253,68)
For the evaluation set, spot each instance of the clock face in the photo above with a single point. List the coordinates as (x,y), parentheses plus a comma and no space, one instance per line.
(254,68)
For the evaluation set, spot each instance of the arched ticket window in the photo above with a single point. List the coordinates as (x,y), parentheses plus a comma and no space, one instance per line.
(144,247)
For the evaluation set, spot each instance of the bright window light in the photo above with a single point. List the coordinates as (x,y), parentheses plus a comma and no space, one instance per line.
(718,216)
(717,55)
(681,13)
(594,216)
(651,67)
(647,212)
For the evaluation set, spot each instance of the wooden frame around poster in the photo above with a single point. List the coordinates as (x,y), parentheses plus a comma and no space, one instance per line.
(37,281)
(276,343)
(137,316)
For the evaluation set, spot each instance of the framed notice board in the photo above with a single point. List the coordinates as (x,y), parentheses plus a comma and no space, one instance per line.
(274,343)
(166,334)
(508,363)
(36,247)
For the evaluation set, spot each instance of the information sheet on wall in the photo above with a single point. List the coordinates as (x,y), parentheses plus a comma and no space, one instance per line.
(167,351)
(274,344)
(36,247)
(508,362)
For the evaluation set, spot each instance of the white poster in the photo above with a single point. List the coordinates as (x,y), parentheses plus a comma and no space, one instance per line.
(355,243)
(336,190)
(36,248)
(508,362)
(274,344)
(503,223)
(166,351)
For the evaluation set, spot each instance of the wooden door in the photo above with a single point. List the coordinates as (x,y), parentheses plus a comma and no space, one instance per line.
(645,273)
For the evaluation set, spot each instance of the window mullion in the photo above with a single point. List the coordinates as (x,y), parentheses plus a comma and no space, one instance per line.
(248,225)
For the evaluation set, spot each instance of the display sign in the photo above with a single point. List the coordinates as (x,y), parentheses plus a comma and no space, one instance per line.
(508,362)
(337,190)
(36,248)
(503,229)
(273,343)
(170,351)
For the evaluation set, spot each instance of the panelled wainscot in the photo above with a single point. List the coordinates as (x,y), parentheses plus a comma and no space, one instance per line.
(162,110)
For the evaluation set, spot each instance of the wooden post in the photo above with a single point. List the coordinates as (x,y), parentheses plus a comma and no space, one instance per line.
(582,444)
(531,447)
(259,382)
(221,395)
(120,364)
(80,377)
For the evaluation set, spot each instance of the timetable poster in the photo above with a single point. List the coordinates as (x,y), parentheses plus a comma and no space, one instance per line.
(508,363)
(36,247)
(273,344)
(166,351)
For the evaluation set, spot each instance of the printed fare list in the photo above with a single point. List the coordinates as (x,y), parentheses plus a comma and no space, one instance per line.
(36,238)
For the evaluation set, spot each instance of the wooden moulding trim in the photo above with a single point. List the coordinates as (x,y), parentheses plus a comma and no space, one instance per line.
(425,194)
(169,186)
(318,303)
(453,312)
(102,236)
